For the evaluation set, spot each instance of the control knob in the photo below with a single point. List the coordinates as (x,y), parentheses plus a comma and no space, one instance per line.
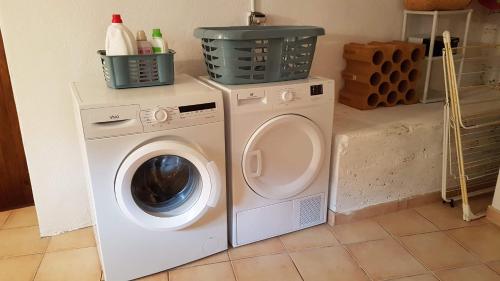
(287,96)
(160,115)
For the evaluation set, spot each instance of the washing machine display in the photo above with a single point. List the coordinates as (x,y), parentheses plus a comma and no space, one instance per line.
(197,107)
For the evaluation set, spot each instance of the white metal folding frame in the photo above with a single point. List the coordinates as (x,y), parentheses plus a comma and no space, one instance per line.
(471,142)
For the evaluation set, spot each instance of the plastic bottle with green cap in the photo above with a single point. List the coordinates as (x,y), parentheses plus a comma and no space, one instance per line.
(159,45)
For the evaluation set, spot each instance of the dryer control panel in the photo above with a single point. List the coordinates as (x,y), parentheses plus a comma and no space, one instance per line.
(300,94)
(280,95)
(156,118)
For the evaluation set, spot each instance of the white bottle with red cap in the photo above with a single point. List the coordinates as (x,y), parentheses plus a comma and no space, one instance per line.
(119,39)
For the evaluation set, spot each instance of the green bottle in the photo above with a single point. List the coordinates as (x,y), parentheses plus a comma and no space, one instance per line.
(159,45)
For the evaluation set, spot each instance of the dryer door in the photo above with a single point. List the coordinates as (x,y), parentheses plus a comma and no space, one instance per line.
(166,185)
(283,157)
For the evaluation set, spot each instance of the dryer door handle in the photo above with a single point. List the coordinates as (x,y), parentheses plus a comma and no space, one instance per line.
(215,181)
(257,154)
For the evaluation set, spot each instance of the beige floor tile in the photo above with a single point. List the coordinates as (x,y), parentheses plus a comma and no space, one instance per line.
(359,232)
(3,217)
(162,276)
(313,237)
(424,277)
(472,273)
(22,241)
(211,272)
(216,258)
(438,251)
(384,259)
(21,218)
(445,217)
(405,223)
(483,240)
(261,248)
(495,266)
(273,268)
(329,263)
(78,264)
(480,203)
(19,268)
(81,238)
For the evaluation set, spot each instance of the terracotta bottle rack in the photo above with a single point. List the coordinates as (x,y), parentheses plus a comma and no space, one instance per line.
(381,74)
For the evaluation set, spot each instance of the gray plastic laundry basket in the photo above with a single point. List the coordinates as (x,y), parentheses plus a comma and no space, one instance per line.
(138,70)
(258,54)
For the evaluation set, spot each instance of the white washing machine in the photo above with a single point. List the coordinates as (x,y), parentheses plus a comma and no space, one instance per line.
(157,174)
(278,139)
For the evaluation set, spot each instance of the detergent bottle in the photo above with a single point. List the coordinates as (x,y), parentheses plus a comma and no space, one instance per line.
(119,39)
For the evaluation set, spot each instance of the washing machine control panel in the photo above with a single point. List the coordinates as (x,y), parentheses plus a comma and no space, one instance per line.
(159,117)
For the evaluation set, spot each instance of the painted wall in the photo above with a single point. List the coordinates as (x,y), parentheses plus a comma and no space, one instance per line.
(51,43)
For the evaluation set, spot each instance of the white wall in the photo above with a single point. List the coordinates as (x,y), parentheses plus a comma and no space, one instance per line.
(50,43)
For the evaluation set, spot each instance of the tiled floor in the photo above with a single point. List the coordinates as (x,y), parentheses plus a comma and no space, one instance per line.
(427,243)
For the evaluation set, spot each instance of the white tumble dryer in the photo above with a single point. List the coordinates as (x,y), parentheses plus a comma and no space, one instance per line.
(278,139)
(156,169)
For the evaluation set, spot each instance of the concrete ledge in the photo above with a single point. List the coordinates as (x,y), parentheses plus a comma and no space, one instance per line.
(385,155)
(383,208)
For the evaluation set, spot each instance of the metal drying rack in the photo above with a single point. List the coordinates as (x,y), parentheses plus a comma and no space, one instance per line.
(471,143)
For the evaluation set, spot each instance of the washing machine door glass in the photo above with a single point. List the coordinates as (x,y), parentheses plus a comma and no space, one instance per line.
(166,185)
(283,156)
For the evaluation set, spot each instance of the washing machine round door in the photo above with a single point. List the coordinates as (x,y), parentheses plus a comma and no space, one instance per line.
(283,157)
(166,185)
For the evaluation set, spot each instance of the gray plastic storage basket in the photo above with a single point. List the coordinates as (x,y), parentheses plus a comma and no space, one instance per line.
(138,70)
(257,54)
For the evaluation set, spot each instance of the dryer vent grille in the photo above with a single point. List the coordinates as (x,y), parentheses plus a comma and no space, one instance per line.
(309,211)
